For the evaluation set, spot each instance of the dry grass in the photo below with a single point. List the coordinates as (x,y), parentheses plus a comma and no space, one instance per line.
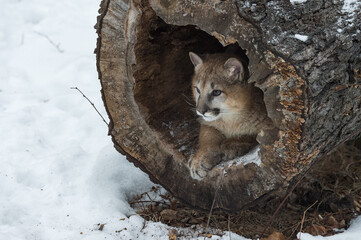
(327,199)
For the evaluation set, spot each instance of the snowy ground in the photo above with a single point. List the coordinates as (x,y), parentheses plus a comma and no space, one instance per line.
(59,174)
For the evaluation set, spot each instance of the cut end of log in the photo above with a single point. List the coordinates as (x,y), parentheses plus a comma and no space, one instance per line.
(145,72)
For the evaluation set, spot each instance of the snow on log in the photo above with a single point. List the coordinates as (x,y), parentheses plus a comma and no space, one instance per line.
(304,55)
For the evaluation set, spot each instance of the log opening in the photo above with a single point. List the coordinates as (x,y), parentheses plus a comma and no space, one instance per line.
(162,76)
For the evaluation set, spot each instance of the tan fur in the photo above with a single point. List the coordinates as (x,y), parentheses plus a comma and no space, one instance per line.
(242,113)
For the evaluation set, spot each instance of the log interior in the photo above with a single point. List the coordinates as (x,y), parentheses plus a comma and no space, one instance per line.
(163,78)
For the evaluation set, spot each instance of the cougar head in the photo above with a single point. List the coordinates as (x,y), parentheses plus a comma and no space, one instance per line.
(212,84)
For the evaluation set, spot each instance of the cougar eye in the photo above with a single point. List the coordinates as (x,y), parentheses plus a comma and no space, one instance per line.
(216,92)
(198,91)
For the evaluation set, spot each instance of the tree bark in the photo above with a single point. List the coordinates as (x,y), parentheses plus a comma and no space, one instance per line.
(311,87)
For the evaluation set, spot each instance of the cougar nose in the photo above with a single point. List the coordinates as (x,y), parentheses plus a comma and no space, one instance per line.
(204,110)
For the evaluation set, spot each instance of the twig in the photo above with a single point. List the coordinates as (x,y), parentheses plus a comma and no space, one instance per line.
(303,176)
(294,227)
(76,88)
(144,223)
(141,205)
(229,227)
(57,46)
(210,212)
(214,200)
(303,217)
(145,201)
(151,201)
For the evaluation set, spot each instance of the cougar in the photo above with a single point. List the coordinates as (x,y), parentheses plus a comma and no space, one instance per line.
(232,111)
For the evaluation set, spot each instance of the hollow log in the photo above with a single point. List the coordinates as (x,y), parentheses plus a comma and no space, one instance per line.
(305,57)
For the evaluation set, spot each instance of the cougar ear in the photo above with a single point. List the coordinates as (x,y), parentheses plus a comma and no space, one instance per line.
(234,69)
(196,60)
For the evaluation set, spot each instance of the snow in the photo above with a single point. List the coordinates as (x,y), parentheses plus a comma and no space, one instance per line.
(349,10)
(300,37)
(251,157)
(60,176)
(297,1)
(349,6)
(352,233)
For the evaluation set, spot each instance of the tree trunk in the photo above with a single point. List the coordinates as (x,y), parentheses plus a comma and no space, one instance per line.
(311,84)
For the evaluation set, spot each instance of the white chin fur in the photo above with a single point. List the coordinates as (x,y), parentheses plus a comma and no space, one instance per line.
(210,118)
(207,117)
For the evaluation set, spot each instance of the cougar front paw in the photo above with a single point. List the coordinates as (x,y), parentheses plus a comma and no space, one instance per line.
(231,150)
(198,168)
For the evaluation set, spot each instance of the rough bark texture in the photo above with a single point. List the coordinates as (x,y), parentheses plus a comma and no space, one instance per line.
(311,88)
